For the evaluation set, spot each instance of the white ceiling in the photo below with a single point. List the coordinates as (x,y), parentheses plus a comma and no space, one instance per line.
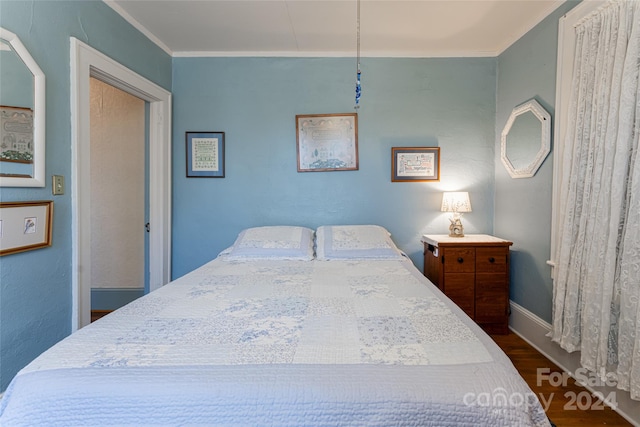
(388,28)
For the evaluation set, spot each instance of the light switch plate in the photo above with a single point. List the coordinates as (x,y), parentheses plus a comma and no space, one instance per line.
(58,185)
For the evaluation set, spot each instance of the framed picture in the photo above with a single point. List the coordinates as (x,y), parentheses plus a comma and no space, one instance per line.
(25,226)
(205,154)
(415,164)
(16,134)
(327,142)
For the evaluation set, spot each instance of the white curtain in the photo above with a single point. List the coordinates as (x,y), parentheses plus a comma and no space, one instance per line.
(597,284)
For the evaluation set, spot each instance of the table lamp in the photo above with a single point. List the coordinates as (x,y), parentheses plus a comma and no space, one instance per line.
(457,202)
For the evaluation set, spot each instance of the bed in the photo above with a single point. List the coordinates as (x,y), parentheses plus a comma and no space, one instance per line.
(290,326)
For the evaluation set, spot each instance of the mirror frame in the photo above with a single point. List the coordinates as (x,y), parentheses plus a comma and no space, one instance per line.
(39,117)
(545,139)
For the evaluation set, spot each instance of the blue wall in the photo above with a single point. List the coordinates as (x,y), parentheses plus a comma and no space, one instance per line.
(459,105)
(527,70)
(448,103)
(35,286)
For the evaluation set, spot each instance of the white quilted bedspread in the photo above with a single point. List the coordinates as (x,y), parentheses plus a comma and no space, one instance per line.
(278,343)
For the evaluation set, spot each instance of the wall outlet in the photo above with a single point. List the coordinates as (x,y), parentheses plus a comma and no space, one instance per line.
(58,185)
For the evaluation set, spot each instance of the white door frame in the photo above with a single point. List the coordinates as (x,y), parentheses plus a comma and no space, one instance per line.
(87,62)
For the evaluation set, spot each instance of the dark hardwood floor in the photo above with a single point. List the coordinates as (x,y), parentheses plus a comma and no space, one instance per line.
(571,405)
(96,314)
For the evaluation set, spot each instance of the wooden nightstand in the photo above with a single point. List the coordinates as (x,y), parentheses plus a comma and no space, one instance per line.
(474,272)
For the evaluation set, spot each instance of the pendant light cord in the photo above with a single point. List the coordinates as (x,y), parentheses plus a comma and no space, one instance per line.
(358,73)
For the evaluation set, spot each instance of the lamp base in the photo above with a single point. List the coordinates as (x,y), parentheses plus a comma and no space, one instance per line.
(456,229)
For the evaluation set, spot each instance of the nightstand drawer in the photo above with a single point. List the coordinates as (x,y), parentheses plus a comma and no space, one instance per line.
(491,260)
(459,260)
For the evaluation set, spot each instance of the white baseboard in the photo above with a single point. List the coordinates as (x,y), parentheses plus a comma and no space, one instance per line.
(534,331)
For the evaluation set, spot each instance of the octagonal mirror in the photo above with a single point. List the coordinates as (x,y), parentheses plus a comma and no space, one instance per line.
(526,140)
(22,115)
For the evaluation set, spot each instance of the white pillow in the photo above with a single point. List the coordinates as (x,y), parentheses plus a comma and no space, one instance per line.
(273,242)
(355,242)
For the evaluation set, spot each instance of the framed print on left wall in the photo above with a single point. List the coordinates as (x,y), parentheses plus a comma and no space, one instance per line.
(205,154)
(25,226)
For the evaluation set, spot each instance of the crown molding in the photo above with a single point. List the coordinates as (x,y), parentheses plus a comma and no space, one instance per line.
(304,54)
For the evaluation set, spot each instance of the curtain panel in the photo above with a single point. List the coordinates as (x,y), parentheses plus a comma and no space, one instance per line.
(597,284)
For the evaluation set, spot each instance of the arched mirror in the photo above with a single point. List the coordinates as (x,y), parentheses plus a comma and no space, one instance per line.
(526,140)
(22,115)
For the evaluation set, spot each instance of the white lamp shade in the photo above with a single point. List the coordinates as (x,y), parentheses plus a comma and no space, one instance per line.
(456,201)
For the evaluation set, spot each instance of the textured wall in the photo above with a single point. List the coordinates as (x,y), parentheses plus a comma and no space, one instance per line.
(527,70)
(117,188)
(448,103)
(35,286)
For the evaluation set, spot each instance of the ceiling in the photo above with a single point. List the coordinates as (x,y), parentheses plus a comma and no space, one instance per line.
(388,28)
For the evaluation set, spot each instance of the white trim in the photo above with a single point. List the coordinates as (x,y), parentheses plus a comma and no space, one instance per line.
(87,62)
(137,25)
(564,75)
(39,117)
(340,54)
(534,331)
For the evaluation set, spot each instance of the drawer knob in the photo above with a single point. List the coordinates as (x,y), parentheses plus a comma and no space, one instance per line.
(492,260)
(460,260)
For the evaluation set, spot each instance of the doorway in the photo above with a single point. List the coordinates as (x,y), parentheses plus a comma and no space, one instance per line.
(118,199)
(87,62)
